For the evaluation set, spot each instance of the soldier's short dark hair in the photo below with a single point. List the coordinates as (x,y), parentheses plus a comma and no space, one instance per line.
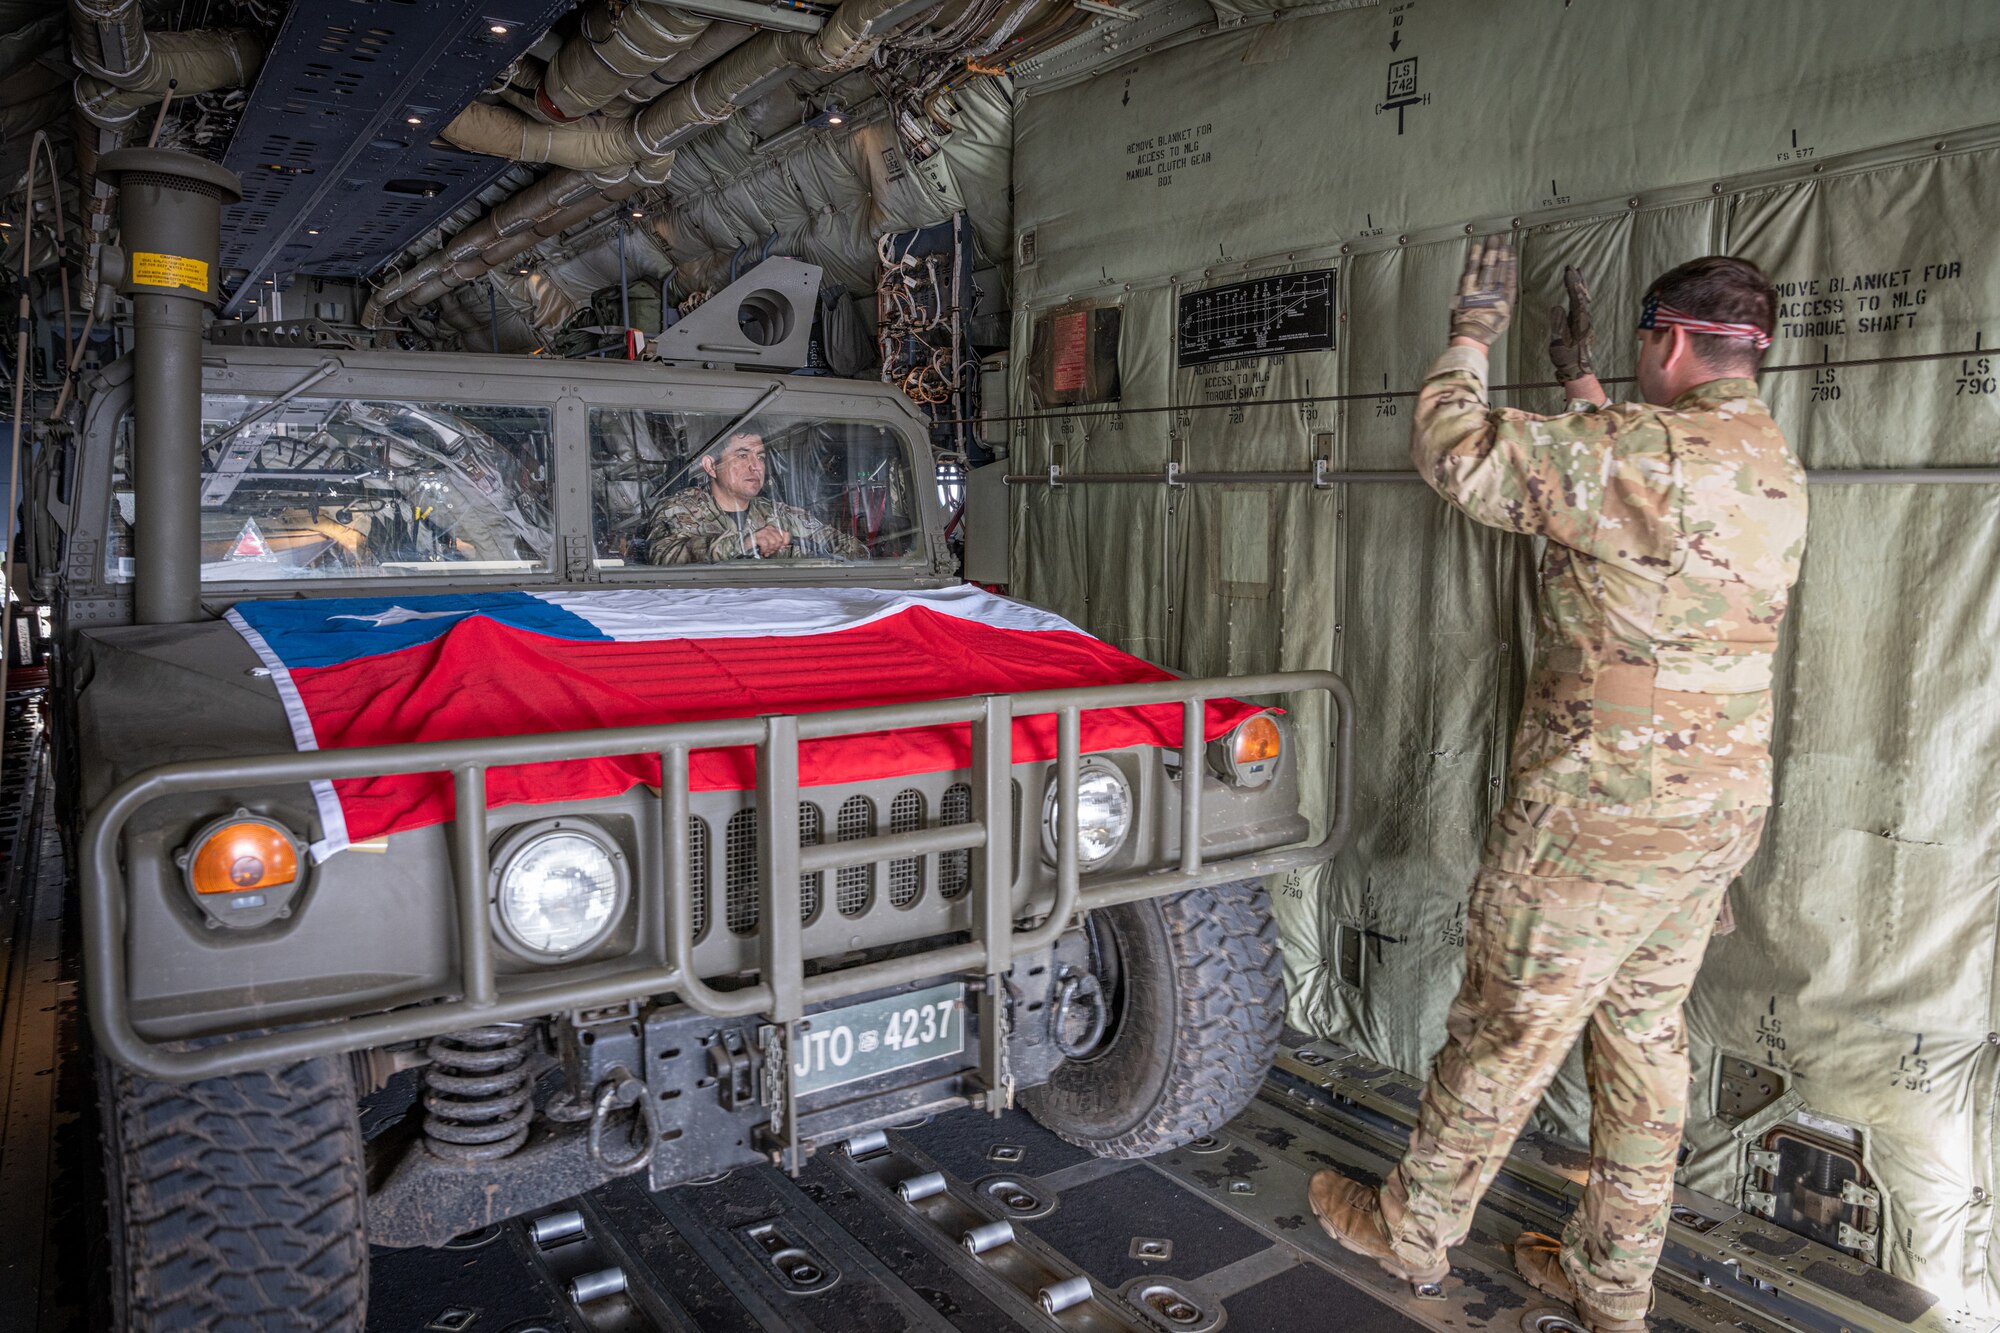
(1728,291)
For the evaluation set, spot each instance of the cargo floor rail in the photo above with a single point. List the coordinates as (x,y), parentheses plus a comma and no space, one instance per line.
(782,990)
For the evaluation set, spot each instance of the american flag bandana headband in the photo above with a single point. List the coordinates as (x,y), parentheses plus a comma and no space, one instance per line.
(1657,316)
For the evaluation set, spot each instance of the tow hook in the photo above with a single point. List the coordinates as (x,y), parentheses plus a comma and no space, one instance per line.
(1077,988)
(619,1090)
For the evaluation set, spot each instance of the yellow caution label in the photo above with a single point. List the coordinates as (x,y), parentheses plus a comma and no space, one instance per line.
(169,271)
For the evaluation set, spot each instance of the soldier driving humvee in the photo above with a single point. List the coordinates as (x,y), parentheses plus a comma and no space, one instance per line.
(731,519)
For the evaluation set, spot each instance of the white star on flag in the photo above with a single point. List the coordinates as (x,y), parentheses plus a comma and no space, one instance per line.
(397,615)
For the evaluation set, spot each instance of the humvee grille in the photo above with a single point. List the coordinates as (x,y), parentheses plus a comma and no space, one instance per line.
(853,886)
(906,877)
(698,872)
(739,841)
(955,868)
(812,828)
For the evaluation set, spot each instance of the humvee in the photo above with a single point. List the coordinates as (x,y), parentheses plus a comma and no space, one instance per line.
(524,998)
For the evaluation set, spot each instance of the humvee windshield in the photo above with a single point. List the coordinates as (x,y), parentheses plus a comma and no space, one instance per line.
(319,488)
(315,488)
(697,488)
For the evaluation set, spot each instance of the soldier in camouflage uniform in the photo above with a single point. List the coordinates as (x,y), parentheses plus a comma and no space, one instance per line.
(1641,770)
(730,518)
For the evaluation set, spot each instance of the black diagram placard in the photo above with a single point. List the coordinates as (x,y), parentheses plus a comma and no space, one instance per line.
(1291,312)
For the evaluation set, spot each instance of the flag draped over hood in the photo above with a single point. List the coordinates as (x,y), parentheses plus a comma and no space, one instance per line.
(380,671)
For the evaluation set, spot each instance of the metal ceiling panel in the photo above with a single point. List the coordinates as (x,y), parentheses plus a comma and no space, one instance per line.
(326,144)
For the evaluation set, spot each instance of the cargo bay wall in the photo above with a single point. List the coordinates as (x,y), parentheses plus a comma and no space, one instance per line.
(1334,159)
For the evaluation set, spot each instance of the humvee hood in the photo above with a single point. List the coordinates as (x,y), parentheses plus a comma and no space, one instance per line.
(157,694)
(382,671)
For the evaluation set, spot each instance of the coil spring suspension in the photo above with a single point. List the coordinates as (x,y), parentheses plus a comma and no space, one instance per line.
(478,1101)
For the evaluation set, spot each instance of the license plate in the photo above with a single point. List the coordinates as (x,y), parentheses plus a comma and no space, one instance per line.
(847,1045)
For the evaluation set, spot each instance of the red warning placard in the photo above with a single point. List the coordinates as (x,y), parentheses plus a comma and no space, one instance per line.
(1071,361)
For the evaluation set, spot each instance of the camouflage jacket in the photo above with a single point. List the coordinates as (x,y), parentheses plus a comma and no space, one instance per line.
(691,529)
(1673,537)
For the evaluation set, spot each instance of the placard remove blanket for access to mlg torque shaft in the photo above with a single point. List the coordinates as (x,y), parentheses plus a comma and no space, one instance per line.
(1287,312)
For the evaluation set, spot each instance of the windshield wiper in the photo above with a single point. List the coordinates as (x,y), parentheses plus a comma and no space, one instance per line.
(251,418)
(232,464)
(732,428)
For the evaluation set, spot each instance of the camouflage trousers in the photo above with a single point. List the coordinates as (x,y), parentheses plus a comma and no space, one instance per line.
(1578,919)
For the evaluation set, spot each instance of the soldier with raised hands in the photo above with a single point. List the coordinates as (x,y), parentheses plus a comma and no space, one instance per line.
(1640,771)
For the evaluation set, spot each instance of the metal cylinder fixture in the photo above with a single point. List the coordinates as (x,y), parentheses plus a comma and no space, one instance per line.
(920,1187)
(597,1286)
(1059,1296)
(866,1142)
(989,1236)
(553,1229)
(170,219)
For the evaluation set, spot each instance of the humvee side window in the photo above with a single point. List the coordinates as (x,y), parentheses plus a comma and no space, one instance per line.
(666,491)
(330,488)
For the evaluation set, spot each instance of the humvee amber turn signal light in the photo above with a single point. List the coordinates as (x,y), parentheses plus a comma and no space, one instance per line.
(240,855)
(1248,756)
(1257,739)
(242,870)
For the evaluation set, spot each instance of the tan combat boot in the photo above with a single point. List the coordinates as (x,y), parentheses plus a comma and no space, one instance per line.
(1538,1259)
(1348,1211)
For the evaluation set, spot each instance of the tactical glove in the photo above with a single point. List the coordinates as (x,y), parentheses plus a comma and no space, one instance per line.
(1486,293)
(1569,330)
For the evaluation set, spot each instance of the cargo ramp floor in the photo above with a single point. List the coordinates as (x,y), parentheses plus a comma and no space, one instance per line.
(1215,1235)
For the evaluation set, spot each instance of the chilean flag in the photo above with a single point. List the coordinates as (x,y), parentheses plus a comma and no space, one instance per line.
(379,671)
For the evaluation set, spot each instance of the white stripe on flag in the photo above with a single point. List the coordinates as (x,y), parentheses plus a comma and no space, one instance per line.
(333,820)
(642,614)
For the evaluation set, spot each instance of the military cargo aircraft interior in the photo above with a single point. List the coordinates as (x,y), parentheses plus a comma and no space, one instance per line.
(1125,666)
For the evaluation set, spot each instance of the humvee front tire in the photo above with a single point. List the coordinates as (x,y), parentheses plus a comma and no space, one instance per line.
(238,1202)
(1195,999)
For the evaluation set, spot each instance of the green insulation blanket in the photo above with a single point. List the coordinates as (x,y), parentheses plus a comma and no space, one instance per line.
(1318,189)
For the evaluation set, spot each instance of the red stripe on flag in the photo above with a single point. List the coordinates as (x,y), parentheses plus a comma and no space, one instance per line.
(485,679)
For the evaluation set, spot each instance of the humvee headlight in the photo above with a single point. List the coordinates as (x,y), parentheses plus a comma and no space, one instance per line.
(559,888)
(1248,755)
(242,870)
(1103,813)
